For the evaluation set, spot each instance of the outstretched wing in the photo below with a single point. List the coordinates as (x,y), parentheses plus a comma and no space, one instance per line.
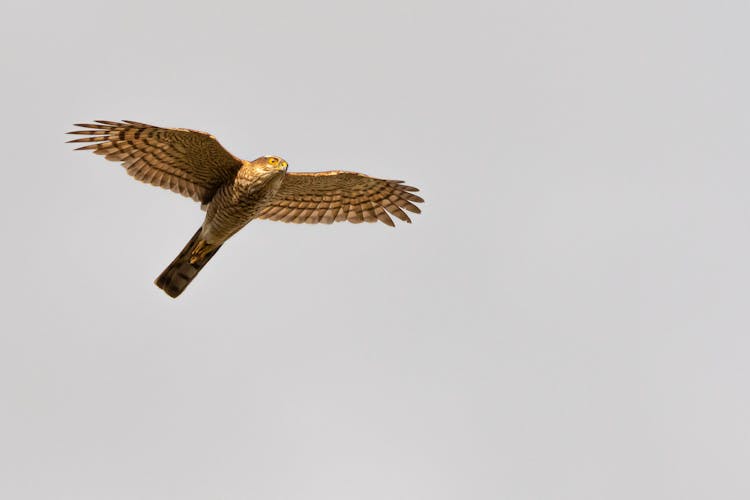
(188,162)
(326,197)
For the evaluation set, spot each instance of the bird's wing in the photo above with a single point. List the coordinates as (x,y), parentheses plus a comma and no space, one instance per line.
(188,162)
(326,197)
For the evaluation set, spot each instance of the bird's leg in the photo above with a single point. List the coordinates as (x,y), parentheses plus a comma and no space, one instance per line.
(199,251)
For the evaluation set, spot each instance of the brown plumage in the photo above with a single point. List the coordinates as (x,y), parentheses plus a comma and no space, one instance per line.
(236,191)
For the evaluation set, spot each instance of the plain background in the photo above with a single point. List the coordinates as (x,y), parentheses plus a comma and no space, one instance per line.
(567,319)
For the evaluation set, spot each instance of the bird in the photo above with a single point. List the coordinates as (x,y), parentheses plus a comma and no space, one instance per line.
(233,191)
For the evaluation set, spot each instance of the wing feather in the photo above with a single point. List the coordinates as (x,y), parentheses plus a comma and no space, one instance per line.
(185,161)
(334,196)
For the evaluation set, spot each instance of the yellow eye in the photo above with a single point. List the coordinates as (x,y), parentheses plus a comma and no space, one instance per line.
(273,161)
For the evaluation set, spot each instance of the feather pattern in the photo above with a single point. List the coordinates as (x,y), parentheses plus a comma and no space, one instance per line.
(185,161)
(233,191)
(327,197)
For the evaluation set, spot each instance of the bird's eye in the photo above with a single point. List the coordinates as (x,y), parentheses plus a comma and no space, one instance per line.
(273,161)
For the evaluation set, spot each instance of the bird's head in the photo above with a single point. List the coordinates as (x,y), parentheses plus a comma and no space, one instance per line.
(273,163)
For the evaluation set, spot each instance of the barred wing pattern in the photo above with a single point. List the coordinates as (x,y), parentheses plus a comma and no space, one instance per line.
(188,162)
(326,197)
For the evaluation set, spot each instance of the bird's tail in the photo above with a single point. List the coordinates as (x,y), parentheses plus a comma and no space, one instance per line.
(186,266)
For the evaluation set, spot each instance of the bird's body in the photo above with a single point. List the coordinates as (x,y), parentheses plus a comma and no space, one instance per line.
(234,205)
(239,201)
(234,191)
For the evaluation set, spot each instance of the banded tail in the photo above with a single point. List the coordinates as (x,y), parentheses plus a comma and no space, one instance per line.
(178,275)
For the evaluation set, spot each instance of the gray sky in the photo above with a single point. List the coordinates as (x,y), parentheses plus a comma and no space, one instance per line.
(567,319)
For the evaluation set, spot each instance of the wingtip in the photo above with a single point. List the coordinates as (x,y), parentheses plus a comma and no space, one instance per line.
(87,139)
(73,141)
(136,123)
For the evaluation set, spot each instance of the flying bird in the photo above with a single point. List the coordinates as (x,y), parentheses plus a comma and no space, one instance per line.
(234,191)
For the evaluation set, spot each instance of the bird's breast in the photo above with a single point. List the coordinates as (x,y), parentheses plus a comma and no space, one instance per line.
(235,204)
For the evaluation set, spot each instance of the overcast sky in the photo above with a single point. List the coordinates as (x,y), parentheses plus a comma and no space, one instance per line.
(567,319)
